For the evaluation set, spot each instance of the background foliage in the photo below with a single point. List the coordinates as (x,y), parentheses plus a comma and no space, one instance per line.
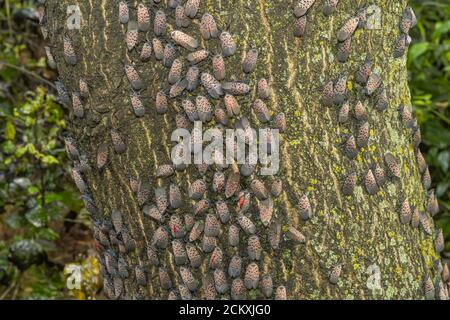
(44,232)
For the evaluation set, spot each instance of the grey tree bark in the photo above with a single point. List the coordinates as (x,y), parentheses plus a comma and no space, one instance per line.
(361,241)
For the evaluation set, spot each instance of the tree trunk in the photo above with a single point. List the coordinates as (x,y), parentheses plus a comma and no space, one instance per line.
(380,257)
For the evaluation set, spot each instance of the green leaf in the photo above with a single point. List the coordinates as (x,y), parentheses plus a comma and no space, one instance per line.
(417,49)
(444,160)
(49,160)
(10,131)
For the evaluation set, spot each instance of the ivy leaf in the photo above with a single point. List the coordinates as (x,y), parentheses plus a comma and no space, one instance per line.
(10,131)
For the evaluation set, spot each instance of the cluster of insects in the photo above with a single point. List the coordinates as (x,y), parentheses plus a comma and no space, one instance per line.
(407,21)
(225,222)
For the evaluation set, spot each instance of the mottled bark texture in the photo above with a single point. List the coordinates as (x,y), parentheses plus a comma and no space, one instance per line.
(379,257)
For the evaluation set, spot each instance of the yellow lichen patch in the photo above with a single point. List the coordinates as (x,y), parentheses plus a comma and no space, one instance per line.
(349,85)
(310,188)
(355,266)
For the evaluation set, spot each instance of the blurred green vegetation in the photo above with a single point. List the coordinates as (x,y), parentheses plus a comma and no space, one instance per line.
(429,69)
(43,229)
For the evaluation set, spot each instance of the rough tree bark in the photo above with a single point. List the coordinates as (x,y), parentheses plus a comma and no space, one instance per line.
(381,258)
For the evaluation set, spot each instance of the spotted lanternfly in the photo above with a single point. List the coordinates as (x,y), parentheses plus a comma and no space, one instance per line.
(189,221)
(50,60)
(401,45)
(197,56)
(405,212)
(343,50)
(220,281)
(179,252)
(274,235)
(103,239)
(196,230)
(197,189)
(295,235)
(77,105)
(128,241)
(349,183)
(251,278)
(425,223)
(246,224)
(84,88)
(302,6)
(212,226)
(392,165)
(232,106)
(160,23)
(254,248)
(280,293)
(227,43)
(124,15)
(350,148)
(116,218)
(276,187)
(176,226)
(143,18)
(218,65)
(141,278)
(142,193)
(221,116)
(164,278)
(160,238)
(373,83)
(195,259)
(300,26)
(428,288)
(421,163)
(158,48)
(169,55)
(117,141)
(364,71)
(267,286)
(222,211)
(415,217)
(173,3)
(250,60)
(177,89)
(108,287)
(208,244)
(79,182)
(89,205)
(131,37)
(238,291)
(136,103)
(184,40)
(175,199)
(328,94)
(235,266)
(379,174)
(69,52)
(191,8)
(261,111)
(259,189)
(305,210)
(236,88)
(71,148)
(416,138)
(211,85)
(426,179)
(344,113)
(175,71)
(216,259)
(329,7)
(204,109)
(408,20)
(133,77)
(335,273)
(102,156)
(339,90)
(181,20)
(201,207)
(152,256)
(188,279)
(432,203)
(185,294)
(161,199)
(218,182)
(347,29)
(208,27)
(363,135)
(382,102)
(190,109)
(439,242)
(63,95)
(181,122)
(233,235)
(265,208)
(232,184)
(122,268)
(445,272)
(192,76)
(370,183)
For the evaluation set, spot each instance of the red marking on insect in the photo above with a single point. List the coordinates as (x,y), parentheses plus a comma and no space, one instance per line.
(241,202)
(174,229)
